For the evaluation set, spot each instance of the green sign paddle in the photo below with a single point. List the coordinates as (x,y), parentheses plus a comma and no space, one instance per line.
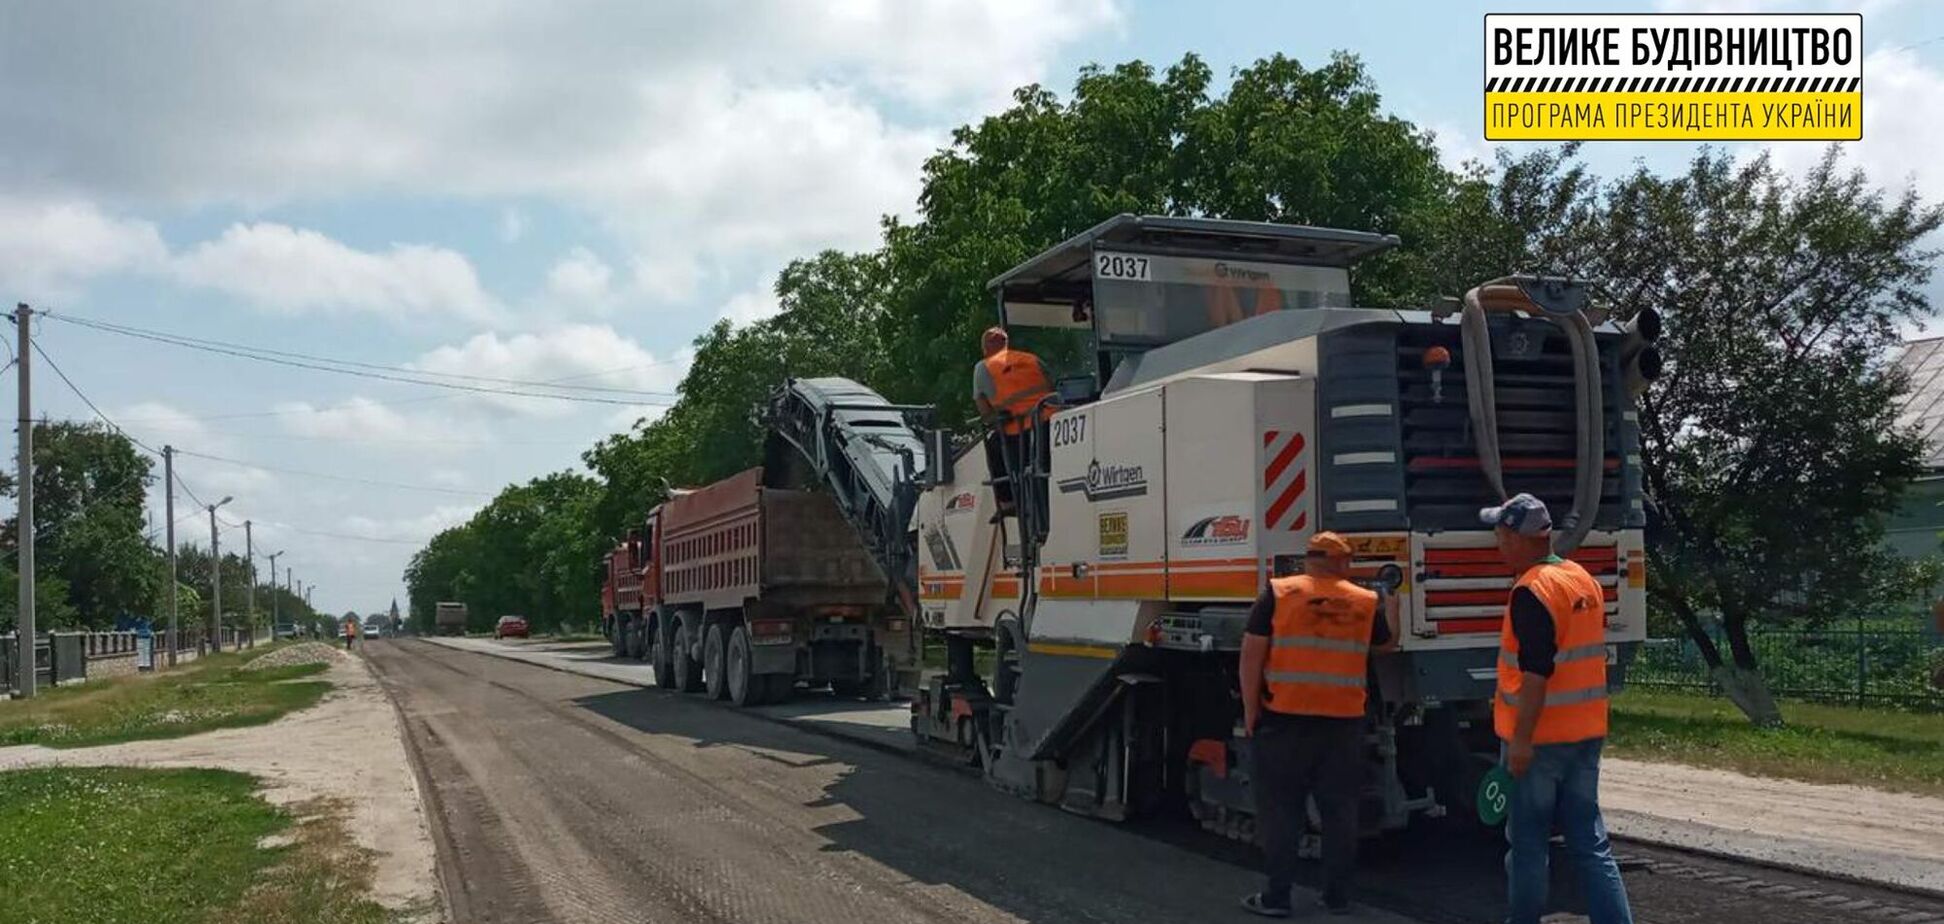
(1495,795)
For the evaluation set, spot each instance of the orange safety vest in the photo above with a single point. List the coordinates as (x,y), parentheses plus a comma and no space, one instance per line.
(1576,695)
(1018,385)
(1319,655)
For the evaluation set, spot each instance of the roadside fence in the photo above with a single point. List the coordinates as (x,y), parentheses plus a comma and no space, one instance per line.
(1900,668)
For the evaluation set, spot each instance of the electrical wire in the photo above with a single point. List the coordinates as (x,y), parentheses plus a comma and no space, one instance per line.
(130,329)
(325,475)
(51,364)
(410,377)
(326,534)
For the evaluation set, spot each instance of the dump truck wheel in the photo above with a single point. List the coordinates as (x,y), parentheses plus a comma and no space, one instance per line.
(635,638)
(660,652)
(746,688)
(688,671)
(713,656)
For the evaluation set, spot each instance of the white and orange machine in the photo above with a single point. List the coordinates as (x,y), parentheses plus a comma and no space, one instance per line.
(1220,399)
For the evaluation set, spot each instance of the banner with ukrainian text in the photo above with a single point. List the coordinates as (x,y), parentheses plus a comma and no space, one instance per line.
(1673,76)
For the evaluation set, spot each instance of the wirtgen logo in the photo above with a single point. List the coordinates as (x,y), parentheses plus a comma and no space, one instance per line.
(1673,76)
(1107,482)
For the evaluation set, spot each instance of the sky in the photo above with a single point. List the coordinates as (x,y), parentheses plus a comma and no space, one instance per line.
(572,191)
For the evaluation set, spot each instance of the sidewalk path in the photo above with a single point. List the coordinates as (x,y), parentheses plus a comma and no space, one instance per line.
(1844,831)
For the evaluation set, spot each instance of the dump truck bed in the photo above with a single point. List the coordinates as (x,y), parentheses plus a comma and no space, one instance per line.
(736,540)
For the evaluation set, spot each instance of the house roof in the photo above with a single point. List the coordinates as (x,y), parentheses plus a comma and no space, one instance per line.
(1922,361)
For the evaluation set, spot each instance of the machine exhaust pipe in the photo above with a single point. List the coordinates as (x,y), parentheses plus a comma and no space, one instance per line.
(1507,295)
(1640,360)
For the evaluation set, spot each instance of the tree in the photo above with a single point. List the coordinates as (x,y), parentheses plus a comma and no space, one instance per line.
(1769,446)
(89,486)
(1285,143)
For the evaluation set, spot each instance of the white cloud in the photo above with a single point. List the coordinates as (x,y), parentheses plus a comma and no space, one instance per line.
(157,423)
(751,305)
(360,419)
(581,279)
(712,137)
(512,226)
(575,354)
(47,248)
(296,270)
(1457,144)
(415,528)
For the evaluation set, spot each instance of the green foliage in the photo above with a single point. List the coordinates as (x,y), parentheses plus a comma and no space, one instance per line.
(113,844)
(93,559)
(1285,143)
(532,551)
(1820,744)
(209,693)
(121,844)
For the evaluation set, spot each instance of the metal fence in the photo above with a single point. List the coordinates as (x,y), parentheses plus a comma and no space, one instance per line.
(1856,666)
(59,657)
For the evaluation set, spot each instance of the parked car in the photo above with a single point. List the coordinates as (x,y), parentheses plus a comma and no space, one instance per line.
(285,630)
(510,627)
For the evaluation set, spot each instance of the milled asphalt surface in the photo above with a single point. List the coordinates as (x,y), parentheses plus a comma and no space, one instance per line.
(561,797)
(1432,874)
(1847,832)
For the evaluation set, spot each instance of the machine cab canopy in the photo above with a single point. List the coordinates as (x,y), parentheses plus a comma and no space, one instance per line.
(1140,282)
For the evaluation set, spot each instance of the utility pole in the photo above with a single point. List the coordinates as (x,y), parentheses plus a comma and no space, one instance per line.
(215,582)
(168,516)
(273,593)
(24,624)
(249,586)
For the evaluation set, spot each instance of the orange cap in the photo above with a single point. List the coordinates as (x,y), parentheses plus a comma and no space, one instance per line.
(1329,544)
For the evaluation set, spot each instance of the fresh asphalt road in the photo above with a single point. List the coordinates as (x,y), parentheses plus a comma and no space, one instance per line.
(560,797)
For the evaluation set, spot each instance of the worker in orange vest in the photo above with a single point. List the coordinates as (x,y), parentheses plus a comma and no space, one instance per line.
(1008,386)
(1550,710)
(1305,664)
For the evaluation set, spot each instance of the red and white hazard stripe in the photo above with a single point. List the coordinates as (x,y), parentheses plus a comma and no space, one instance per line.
(1285,476)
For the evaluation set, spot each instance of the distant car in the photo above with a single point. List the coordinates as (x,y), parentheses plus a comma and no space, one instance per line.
(510,627)
(286,630)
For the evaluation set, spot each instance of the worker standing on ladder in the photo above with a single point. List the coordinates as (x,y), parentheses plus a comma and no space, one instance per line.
(1305,663)
(1551,712)
(1006,387)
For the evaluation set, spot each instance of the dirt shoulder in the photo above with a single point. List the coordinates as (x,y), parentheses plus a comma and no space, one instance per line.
(1848,831)
(347,748)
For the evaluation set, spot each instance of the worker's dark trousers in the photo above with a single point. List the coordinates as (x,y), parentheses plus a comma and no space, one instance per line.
(1297,756)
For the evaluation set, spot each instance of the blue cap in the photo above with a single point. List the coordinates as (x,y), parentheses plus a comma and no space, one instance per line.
(1523,514)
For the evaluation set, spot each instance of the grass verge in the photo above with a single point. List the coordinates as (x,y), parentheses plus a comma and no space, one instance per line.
(208,693)
(1883,749)
(163,846)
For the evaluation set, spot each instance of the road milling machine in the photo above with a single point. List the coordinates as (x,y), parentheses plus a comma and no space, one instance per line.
(1218,400)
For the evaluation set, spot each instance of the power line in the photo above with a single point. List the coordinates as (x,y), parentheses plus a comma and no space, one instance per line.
(331,477)
(382,373)
(85,400)
(185,339)
(348,536)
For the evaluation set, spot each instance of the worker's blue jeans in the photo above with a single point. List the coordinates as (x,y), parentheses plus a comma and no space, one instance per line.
(1561,788)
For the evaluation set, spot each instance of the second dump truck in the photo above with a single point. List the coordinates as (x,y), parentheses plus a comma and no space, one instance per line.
(743,591)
